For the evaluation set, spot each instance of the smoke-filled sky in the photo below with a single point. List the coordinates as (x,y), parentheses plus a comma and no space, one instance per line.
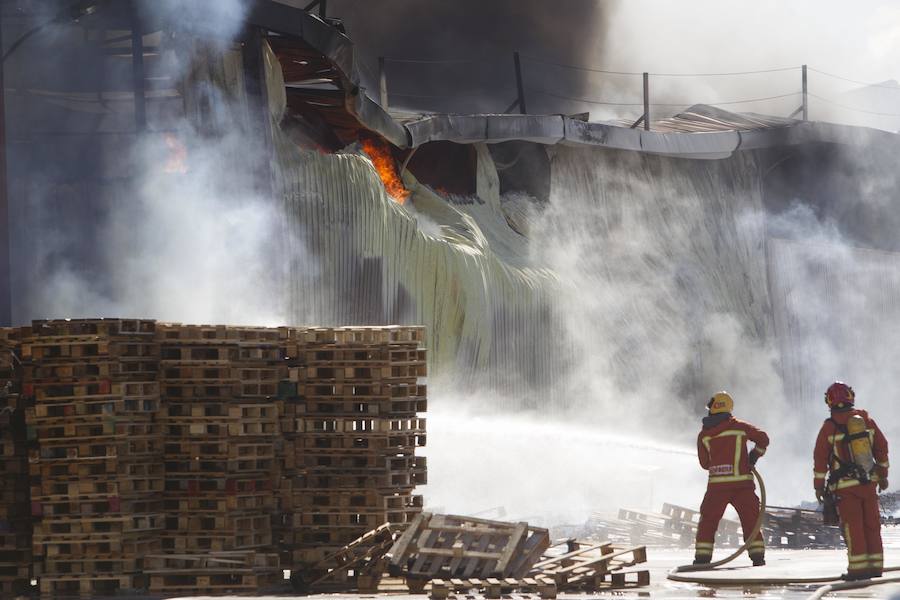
(859,40)
(199,248)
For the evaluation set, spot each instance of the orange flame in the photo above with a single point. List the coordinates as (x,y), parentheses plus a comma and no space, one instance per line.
(381,157)
(177,159)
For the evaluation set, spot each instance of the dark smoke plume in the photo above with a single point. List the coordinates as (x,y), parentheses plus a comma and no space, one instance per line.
(484,32)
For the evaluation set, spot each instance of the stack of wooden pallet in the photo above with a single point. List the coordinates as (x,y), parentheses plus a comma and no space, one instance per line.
(97,475)
(672,526)
(351,427)
(677,526)
(15,499)
(220,427)
(787,527)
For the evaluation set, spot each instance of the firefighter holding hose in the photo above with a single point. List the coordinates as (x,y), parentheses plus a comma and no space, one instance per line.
(850,462)
(722,450)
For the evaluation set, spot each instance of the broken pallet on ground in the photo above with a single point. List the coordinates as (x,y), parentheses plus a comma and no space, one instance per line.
(450,546)
(576,565)
(364,556)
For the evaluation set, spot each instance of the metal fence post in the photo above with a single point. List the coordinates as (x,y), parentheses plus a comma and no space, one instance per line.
(382,83)
(646,101)
(519,85)
(138,78)
(805,96)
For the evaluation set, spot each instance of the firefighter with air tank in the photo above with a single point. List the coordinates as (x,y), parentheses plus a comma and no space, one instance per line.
(722,450)
(850,462)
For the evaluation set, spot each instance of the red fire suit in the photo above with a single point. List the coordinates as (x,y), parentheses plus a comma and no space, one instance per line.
(857,502)
(722,450)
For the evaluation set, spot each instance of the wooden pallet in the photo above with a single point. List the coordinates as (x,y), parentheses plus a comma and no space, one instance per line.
(399,480)
(449,546)
(216,503)
(294,388)
(212,572)
(181,542)
(124,468)
(303,499)
(584,566)
(92,369)
(491,587)
(178,332)
(63,349)
(61,528)
(87,547)
(89,585)
(358,407)
(105,406)
(392,334)
(353,518)
(104,327)
(389,373)
(357,427)
(188,353)
(363,555)
(94,565)
(359,443)
(798,528)
(671,527)
(91,507)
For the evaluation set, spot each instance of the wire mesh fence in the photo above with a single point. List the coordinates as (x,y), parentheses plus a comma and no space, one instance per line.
(551,87)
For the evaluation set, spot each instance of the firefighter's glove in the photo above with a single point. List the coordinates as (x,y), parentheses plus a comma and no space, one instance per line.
(820,495)
(754,456)
(882,484)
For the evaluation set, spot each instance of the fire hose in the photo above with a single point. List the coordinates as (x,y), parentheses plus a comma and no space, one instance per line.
(674,574)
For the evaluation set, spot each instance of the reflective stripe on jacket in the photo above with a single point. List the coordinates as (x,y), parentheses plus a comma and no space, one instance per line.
(722,450)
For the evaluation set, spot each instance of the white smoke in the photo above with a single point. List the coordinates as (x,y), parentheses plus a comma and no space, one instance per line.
(676,282)
(858,41)
(187,232)
(549,471)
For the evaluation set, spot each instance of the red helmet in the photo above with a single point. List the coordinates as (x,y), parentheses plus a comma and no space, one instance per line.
(839,395)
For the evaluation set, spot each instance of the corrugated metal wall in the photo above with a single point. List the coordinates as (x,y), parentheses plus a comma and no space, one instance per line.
(359,257)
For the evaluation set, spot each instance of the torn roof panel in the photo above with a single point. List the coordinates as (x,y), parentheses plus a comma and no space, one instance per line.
(700,131)
(541,129)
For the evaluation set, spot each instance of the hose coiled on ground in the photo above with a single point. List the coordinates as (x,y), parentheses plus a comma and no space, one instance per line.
(817,595)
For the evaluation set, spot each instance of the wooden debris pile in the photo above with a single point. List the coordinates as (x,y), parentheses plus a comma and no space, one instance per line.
(448,555)
(15,498)
(677,526)
(97,473)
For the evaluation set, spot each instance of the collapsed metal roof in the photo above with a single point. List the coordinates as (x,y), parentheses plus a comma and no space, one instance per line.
(698,132)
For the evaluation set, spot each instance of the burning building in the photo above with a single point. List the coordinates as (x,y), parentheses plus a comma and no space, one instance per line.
(553,260)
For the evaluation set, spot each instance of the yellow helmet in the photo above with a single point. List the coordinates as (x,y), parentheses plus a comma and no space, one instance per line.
(721,402)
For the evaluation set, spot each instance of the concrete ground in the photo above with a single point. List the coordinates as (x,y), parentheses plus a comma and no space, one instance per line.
(781,564)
